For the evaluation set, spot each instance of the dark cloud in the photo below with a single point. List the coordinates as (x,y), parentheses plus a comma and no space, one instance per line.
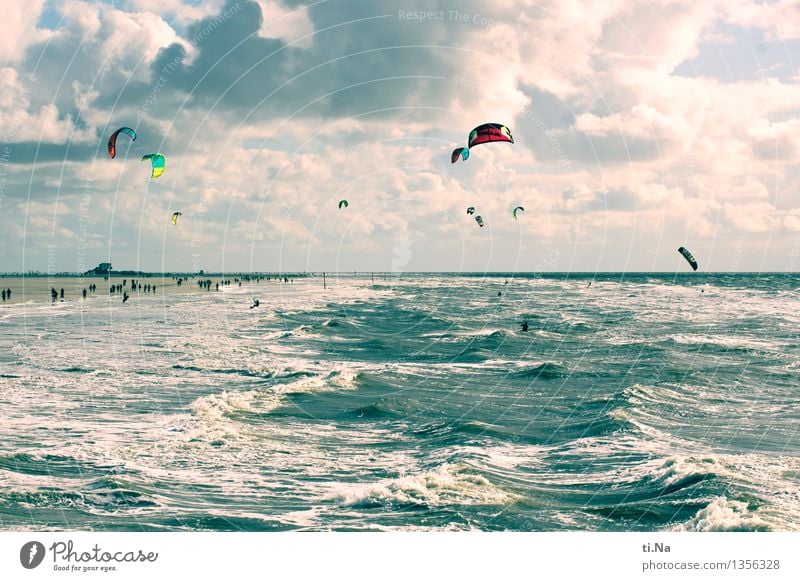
(362,58)
(29,152)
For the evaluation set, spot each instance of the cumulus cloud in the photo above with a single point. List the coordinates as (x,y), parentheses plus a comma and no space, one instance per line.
(18,28)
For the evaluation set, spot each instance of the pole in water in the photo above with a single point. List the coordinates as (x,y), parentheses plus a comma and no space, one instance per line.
(323,281)
(373,278)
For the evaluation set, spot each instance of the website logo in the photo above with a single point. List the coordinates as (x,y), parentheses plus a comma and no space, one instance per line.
(31,554)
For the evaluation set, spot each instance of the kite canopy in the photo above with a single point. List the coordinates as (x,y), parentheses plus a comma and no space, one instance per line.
(518,209)
(175,217)
(462,152)
(486,133)
(343,204)
(471,210)
(158,163)
(479,220)
(688,256)
(489,132)
(112,141)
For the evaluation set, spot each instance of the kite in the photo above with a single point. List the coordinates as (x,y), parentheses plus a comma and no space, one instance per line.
(158,162)
(112,141)
(518,209)
(471,210)
(175,217)
(688,256)
(486,133)
(459,151)
(343,203)
(479,220)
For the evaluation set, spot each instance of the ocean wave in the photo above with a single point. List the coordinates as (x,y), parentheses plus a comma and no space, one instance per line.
(723,515)
(219,414)
(726,342)
(546,370)
(389,407)
(448,485)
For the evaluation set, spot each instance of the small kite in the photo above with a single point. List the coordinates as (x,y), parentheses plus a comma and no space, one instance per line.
(462,152)
(471,210)
(518,209)
(688,256)
(486,133)
(112,141)
(479,220)
(343,204)
(158,163)
(175,218)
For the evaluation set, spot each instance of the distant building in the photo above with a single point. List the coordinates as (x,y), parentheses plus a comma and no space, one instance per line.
(102,269)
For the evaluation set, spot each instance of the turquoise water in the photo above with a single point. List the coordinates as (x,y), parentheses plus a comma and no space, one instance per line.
(634,404)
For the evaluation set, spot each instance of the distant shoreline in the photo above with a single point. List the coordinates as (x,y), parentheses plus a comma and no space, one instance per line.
(332,273)
(137,273)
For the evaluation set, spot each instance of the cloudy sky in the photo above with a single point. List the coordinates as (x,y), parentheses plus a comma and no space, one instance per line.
(639,127)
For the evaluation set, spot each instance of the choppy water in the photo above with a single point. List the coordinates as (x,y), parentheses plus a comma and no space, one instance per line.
(416,403)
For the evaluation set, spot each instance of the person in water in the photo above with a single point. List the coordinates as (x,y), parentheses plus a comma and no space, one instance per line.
(255,304)
(525,326)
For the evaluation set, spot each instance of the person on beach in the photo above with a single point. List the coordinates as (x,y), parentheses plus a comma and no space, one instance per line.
(62,294)
(53,294)
(84,294)
(8,293)
(525,326)
(4,295)
(125,297)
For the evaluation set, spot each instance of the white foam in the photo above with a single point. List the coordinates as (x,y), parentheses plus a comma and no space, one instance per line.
(723,515)
(450,484)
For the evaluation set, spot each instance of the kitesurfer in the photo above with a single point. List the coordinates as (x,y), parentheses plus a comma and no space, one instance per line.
(525,326)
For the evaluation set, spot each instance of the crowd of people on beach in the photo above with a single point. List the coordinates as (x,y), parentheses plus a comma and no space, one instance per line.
(132,284)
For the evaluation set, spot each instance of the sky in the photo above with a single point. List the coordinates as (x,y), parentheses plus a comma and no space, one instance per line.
(639,127)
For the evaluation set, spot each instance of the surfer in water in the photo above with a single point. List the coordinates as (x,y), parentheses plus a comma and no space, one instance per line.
(125,297)
(255,304)
(525,326)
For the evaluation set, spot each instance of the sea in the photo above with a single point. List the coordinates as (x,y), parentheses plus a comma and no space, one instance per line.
(414,402)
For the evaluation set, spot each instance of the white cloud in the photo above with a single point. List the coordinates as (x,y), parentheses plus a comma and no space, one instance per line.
(18,28)
(288,24)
